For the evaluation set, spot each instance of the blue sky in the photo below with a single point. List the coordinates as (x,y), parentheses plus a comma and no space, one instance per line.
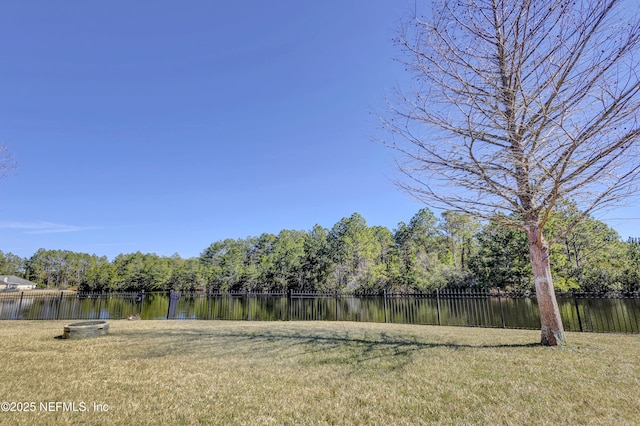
(163,126)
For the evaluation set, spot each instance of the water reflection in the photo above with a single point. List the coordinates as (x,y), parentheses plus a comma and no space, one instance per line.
(581,313)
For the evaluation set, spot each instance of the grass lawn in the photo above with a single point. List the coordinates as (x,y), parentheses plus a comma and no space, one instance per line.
(219,372)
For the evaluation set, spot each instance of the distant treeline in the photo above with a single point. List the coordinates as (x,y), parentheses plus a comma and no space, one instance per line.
(428,252)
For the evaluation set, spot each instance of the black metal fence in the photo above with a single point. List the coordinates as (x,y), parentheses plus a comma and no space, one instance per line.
(69,305)
(595,312)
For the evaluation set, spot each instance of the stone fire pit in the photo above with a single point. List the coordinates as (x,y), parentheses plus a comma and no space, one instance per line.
(85,329)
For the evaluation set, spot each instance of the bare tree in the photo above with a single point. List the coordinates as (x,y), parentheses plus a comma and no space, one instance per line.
(516,104)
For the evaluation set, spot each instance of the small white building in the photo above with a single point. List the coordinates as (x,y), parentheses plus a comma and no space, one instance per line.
(13,283)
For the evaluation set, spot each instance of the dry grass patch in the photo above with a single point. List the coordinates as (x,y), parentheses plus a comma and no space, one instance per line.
(214,372)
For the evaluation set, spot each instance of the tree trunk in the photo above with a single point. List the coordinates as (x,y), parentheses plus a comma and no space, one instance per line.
(550,321)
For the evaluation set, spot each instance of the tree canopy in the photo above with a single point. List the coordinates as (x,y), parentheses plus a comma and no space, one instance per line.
(425,253)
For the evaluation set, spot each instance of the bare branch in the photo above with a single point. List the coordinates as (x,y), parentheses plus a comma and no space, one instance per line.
(518,104)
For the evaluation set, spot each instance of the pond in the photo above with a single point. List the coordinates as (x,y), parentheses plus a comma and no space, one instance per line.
(600,314)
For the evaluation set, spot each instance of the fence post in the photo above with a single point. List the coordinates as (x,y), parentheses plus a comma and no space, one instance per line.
(575,302)
(289,303)
(438,304)
(248,305)
(59,305)
(501,311)
(170,301)
(141,300)
(336,295)
(208,303)
(100,304)
(384,305)
(173,302)
(19,305)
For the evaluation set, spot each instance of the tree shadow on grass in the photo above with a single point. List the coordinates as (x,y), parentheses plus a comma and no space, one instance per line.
(306,346)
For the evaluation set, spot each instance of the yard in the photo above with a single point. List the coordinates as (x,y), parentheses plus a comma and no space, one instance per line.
(223,372)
